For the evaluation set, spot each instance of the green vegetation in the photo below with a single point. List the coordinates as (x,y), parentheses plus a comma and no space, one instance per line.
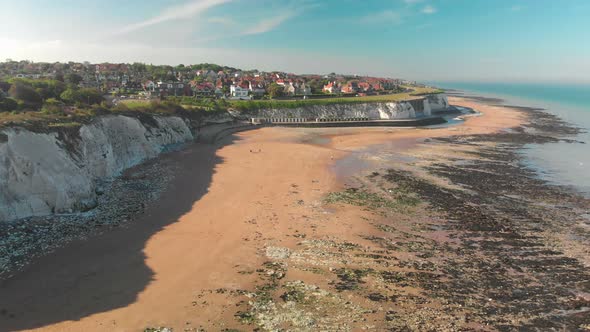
(254,105)
(188,103)
(350,279)
(81,96)
(49,101)
(73,78)
(26,94)
(275,90)
(45,95)
(52,116)
(393,199)
(8,104)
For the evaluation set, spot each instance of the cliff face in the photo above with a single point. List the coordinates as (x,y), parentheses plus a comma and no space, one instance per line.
(374,111)
(437,102)
(43,173)
(369,110)
(57,171)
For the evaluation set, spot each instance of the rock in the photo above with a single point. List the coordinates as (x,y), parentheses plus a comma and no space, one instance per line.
(278,253)
(57,171)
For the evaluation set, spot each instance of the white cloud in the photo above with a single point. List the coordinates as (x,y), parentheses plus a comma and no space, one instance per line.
(180,12)
(387,16)
(267,25)
(429,10)
(221,20)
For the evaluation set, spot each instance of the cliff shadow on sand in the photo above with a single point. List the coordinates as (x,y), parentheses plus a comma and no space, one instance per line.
(107,271)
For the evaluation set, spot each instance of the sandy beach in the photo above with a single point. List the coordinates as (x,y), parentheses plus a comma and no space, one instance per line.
(244,237)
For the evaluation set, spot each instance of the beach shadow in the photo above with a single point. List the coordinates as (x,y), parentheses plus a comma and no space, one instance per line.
(107,271)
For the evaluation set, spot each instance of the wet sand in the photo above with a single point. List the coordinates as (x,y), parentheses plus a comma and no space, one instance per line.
(198,256)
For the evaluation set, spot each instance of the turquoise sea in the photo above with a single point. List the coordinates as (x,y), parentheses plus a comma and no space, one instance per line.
(561,163)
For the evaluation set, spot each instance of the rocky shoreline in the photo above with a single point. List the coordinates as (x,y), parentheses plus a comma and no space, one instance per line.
(456,235)
(475,241)
(119,200)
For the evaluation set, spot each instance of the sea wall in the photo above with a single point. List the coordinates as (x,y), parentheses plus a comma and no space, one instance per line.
(372,111)
(419,107)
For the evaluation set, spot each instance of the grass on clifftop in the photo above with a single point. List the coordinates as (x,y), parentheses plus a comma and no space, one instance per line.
(253,105)
(40,121)
(78,115)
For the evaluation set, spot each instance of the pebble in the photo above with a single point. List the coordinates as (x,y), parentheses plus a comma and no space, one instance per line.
(24,239)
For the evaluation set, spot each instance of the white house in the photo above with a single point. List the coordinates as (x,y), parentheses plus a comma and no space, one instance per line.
(257,89)
(331,87)
(303,89)
(150,86)
(238,92)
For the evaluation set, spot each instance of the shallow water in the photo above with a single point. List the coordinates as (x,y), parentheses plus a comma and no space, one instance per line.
(373,157)
(386,154)
(560,163)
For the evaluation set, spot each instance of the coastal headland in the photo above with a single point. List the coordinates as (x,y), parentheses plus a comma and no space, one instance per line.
(328,229)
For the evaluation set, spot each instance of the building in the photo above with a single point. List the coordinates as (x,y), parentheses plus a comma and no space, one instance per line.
(257,89)
(237,92)
(331,88)
(164,89)
(350,87)
(290,89)
(203,90)
(303,89)
(149,86)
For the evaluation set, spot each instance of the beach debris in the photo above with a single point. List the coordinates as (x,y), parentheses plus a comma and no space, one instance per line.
(158,329)
(278,253)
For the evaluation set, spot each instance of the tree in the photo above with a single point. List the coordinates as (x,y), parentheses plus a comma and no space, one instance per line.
(317,86)
(138,67)
(70,96)
(73,78)
(4,86)
(8,104)
(53,106)
(86,96)
(25,93)
(45,88)
(91,96)
(275,90)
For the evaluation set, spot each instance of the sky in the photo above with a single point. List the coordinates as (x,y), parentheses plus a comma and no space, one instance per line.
(424,40)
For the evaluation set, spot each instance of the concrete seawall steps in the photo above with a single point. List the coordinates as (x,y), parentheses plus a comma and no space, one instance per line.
(347,122)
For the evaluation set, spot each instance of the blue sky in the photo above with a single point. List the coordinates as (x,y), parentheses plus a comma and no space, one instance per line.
(483,40)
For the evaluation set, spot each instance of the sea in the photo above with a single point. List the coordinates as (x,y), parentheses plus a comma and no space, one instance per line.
(562,163)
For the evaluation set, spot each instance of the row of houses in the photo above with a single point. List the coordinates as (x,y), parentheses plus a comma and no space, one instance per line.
(237,89)
(193,88)
(360,87)
(185,81)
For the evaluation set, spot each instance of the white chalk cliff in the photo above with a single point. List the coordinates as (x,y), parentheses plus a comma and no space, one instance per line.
(43,173)
(374,111)
(57,171)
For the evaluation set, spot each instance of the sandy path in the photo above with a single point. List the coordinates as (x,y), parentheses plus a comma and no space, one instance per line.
(225,206)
